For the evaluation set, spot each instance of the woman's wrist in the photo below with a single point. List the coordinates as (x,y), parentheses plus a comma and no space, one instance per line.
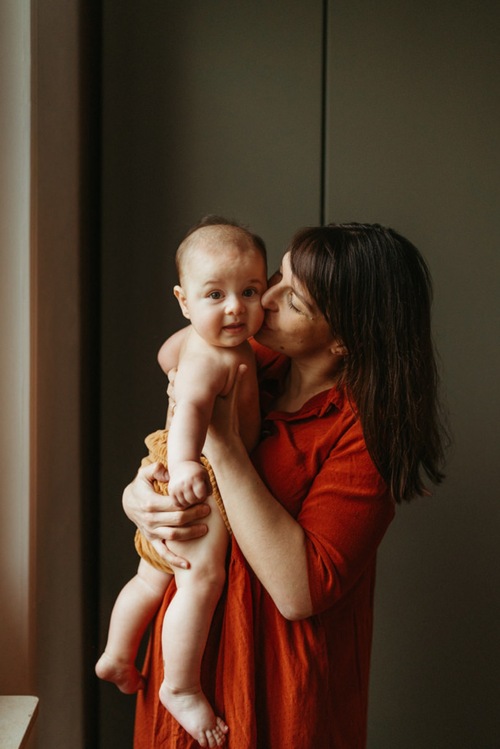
(218,448)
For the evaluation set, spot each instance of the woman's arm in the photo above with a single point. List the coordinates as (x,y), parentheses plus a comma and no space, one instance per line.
(306,564)
(273,543)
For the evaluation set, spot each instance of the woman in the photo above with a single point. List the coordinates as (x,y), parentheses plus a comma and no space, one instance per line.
(351,426)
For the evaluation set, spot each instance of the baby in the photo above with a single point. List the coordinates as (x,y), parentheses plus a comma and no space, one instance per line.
(222,276)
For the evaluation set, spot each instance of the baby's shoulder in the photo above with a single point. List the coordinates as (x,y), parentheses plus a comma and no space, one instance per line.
(227,360)
(213,362)
(197,348)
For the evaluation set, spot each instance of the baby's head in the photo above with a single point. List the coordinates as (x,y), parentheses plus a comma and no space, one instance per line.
(222,273)
(211,233)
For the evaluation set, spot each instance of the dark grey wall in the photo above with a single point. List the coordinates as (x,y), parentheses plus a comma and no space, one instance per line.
(414,109)
(216,107)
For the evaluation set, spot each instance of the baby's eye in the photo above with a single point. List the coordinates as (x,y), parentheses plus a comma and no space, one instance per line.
(249,292)
(215,295)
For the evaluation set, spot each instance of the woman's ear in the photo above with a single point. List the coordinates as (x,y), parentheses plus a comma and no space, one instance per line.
(338,349)
(181,298)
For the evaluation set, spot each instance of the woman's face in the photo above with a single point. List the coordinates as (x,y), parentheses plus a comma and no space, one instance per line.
(293,325)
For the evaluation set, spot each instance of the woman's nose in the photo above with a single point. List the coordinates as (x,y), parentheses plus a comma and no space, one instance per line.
(268,298)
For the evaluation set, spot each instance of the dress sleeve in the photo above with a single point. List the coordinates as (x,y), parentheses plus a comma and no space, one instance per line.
(345,516)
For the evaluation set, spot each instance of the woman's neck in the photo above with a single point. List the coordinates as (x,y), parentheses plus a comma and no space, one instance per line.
(305,380)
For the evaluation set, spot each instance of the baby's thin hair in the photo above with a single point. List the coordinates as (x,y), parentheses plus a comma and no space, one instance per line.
(213,220)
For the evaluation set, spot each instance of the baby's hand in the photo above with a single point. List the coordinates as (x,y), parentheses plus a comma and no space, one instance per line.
(189,483)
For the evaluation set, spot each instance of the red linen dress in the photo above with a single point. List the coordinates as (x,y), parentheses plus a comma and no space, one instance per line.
(281,684)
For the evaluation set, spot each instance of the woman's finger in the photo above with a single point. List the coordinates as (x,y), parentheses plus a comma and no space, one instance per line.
(179,524)
(168,556)
(185,532)
(240,374)
(171,396)
(176,561)
(151,472)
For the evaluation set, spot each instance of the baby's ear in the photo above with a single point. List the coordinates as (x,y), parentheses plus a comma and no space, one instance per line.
(181,298)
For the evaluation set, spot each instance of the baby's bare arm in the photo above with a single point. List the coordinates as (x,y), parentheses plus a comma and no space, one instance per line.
(199,378)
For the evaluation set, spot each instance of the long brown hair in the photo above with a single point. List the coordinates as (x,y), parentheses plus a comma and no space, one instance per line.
(374,289)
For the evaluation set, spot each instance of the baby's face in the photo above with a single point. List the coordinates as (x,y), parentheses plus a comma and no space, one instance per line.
(221,291)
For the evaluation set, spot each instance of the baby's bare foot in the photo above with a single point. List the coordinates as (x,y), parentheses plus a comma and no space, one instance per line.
(193,712)
(125,675)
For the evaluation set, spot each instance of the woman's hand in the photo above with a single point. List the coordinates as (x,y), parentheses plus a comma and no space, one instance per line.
(158,518)
(224,430)
(171,396)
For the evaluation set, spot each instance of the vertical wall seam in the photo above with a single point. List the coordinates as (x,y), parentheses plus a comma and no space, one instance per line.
(324,95)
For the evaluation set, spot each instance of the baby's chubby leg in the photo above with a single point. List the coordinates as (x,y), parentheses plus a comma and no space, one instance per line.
(185,630)
(135,607)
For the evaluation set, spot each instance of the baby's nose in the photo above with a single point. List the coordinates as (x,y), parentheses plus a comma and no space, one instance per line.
(235,305)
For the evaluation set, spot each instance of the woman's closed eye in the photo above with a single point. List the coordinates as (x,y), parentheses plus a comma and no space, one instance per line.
(292,306)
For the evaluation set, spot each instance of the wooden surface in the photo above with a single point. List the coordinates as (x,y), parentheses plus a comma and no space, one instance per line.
(17,715)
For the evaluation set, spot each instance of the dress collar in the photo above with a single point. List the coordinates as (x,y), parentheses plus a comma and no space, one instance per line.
(271,387)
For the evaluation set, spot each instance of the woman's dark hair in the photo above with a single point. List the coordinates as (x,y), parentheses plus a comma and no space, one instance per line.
(374,289)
